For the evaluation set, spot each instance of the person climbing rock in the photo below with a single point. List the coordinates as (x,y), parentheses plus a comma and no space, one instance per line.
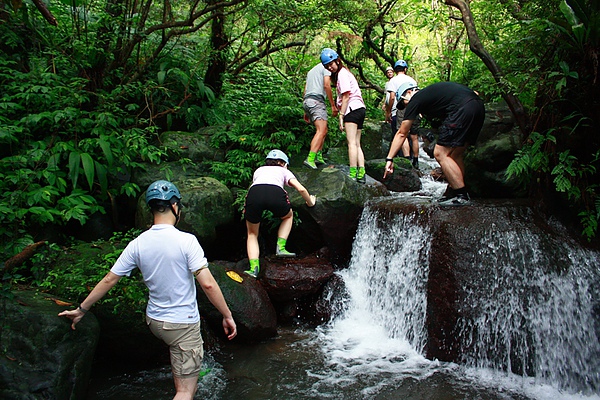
(462,113)
(352,111)
(316,89)
(267,193)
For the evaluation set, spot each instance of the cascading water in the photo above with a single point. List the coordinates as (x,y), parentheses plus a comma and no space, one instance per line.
(532,314)
(534,311)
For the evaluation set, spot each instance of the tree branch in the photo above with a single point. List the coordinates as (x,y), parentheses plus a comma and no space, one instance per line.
(476,47)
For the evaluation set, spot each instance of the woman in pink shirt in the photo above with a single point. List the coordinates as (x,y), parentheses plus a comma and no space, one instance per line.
(352,110)
(267,193)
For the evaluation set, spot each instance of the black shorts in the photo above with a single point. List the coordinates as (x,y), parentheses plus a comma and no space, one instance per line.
(463,125)
(356,116)
(266,197)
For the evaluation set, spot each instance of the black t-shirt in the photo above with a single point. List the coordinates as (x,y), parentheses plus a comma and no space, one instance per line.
(438,100)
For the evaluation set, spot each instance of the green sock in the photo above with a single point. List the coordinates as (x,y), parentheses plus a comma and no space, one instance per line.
(352,172)
(254,264)
(281,242)
(360,173)
(320,157)
(311,156)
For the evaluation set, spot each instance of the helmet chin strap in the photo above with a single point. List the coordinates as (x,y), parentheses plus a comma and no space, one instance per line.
(177,213)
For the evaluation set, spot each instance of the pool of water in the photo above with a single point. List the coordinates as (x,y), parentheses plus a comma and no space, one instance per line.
(299,365)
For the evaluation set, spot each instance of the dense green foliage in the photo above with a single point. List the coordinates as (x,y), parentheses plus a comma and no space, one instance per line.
(83,102)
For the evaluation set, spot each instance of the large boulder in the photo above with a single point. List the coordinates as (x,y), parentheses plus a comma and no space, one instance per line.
(194,146)
(248,301)
(287,279)
(294,286)
(340,200)
(208,204)
(43,358)
(371,142)
(404,179)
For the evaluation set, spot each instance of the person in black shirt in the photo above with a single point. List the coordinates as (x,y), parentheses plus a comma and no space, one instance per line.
(462,113)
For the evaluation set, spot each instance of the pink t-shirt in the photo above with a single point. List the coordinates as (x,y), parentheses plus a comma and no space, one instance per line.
(346,82)
(272,175)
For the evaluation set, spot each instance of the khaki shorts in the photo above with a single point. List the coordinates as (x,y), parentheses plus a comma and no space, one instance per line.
(185,345)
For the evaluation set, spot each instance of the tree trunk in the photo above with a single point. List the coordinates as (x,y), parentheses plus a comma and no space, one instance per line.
(218,64)
(476,47)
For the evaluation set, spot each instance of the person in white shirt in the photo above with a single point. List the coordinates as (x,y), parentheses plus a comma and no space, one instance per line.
(393,114)
(267,193)
(169,260)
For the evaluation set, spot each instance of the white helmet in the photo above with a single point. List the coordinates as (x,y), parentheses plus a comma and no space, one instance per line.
(404,87)
(278,155)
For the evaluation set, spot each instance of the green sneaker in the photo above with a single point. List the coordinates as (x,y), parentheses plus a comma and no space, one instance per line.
(283,253)
(310,164)
(253,272)
(319,159)
(360,175)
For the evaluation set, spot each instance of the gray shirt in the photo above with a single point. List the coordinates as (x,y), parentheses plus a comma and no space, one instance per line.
(314,82)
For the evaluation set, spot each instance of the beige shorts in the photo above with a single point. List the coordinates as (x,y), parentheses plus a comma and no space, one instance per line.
(185,345)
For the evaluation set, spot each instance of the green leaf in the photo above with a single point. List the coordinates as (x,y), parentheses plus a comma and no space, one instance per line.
(74,167)
(102,176)
(106,150)
(88,168)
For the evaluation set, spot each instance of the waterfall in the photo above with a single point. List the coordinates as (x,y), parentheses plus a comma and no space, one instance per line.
(533,310)
(530,310)
(388,274)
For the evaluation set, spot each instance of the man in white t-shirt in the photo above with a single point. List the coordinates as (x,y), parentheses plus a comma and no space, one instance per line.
(169,260)
(391,116)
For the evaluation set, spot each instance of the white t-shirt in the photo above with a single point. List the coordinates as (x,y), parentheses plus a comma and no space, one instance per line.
(272,175)
(394,84)
(167,258)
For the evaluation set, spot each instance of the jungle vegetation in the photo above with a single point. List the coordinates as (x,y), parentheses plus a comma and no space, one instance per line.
(88,86)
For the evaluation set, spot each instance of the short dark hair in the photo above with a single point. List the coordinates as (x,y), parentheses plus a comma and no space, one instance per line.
(160,206)
(272,162)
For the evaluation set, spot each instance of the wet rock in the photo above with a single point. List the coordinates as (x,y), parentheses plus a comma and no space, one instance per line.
(248,301)
(333,220)
(404,179)
(43,358)
(294,278)
(208,204)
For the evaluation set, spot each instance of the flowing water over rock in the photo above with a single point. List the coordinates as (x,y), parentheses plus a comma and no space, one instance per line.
(527,327)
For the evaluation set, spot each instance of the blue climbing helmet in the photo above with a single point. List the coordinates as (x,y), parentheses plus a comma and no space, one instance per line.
(278,155)
(328,55)
(162,190)
(400,63)
(404,87)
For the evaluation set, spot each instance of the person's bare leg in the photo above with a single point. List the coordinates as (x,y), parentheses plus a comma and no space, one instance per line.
(185,387)
(406,149)
(447,158)
(415,145)
(353,144)
(252,241)
(360,158)
(457,154)
(286,225)
(316,144)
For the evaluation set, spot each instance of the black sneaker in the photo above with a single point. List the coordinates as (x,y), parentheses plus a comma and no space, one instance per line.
(458,200)
(415,163)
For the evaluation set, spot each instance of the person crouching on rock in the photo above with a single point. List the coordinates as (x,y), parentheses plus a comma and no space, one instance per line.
(267,193)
